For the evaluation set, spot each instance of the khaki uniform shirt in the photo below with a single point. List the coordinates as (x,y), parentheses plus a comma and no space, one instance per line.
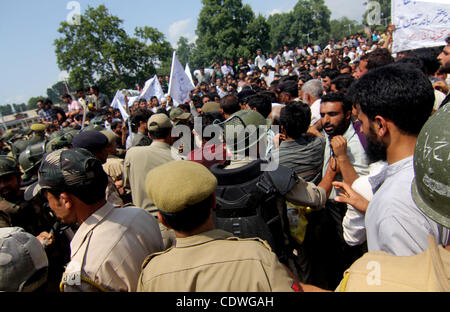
(380,272)
(215,262)
(114,168)
(138,163)
(109,248)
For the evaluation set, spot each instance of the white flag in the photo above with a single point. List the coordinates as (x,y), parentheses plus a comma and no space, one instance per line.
(152,88)
(179,86)
(119,103)
(187,70)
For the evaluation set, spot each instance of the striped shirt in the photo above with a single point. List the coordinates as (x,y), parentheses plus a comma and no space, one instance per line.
(304,156)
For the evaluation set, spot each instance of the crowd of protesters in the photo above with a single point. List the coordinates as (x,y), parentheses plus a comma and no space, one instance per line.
(129,206)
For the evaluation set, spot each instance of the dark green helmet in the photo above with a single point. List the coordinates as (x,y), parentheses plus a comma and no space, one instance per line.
(18,147)
(64,140)
(31,158)
(97,121)
(10,136)
(92,127)
(7,135)
(8,165)
(55,134)
(430,188)
(27,131)
(245,129)
(35,139)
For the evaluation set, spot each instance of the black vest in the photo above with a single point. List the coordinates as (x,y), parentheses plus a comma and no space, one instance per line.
(247,204)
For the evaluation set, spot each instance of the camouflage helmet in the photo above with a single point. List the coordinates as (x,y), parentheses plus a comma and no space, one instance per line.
(8,165)
(93,127)
(55,134)
(244,129)
(35,139)
(31,158)
(18,147)
(63,140)
(430,188)
(27,131)
(8,135)
(11,136)
(97,121)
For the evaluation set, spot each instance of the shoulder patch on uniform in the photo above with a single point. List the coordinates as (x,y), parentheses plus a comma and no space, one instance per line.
(153,255)
(256,239)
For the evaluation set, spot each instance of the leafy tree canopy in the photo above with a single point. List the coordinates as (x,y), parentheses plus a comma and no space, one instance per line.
(97,51)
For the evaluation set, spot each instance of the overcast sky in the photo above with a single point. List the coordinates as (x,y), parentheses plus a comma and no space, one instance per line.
(28,29)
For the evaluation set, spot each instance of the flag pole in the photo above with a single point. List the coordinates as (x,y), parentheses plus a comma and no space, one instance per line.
(171,72)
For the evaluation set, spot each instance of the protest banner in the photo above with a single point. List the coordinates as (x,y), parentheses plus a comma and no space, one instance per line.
(420,24)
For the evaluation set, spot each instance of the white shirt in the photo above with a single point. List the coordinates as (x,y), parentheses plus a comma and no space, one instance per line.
(129,141)
(439,98)
(354,224)
(260,61)
(110,246)
(288,55)
(226,69)
(271,62)
(315,112)
(394,223)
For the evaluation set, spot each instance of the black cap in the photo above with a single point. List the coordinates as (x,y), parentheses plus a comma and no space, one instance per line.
(90,140)
(75,170)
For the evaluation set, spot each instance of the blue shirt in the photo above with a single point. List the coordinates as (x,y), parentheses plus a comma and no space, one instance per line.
(47,115)
(394,223)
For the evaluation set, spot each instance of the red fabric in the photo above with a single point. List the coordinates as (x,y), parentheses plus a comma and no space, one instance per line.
(218,154)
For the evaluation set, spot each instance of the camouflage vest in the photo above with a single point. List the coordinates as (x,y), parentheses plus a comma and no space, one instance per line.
(31,216)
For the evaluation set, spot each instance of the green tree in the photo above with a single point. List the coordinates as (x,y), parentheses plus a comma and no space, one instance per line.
(311,17)
(258,36)
(55,92)
(344,27)
(98,51)
(222,30)
(157,48)
(6,110)
(32,102)
(18,108)
(279,25)
(308,22)
(184,50)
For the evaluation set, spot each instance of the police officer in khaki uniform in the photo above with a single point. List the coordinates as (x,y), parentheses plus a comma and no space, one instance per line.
(38,134)
(141,159)
(110,244)
(204,259)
